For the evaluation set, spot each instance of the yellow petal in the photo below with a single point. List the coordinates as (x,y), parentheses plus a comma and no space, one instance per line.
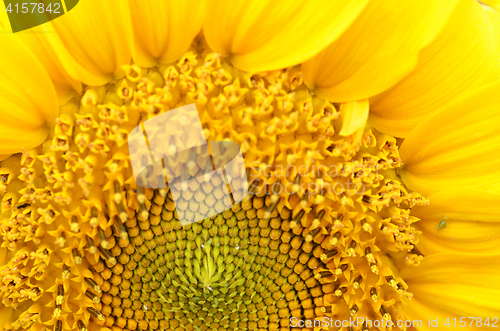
(164,30)
(92,41)
(64,85)
(273,34)
(463,57)
(430,318)
(461,205)
(460,220)
(377,50)
(457,148)
(491,187)
(458,237)
(453,285)
(492,3)
(354,115)
(28,101)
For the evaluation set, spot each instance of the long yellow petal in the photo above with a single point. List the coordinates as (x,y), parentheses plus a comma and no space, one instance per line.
(378,49)
(65,86)
(458,237)
(164,30)
(273,34)
(463,57)
(430,318)
(461,205)
(92,41)
(460,220)
(457,148)
(28,101)
(453,285)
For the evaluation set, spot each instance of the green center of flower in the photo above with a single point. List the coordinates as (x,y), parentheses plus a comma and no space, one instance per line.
(236,271)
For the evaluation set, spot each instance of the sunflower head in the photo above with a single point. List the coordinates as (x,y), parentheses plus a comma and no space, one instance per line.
(325,207)
(330,227)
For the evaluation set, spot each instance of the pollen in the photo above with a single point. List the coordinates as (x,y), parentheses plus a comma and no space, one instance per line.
(323,231)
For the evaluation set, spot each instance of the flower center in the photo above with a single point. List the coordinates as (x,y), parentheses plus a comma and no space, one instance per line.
(323,232)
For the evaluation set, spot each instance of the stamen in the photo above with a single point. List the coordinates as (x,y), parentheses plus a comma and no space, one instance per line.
(97,314)
(340,291)
(384,313)
(91,245)
(310,236)
(76,256)
(93,218)
(81,326)
(103,238)
(93,284)
(60,295)
(357,281)
(66,272)
(373,294)
(75,227)
(92,296)
(354,310)
(297,218)
(317,220)
(351,250)
(341,269)
(328,255)
(335,239)
(122,230)
(108,256)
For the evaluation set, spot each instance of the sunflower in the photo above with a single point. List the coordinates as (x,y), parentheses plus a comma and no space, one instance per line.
(368,129)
